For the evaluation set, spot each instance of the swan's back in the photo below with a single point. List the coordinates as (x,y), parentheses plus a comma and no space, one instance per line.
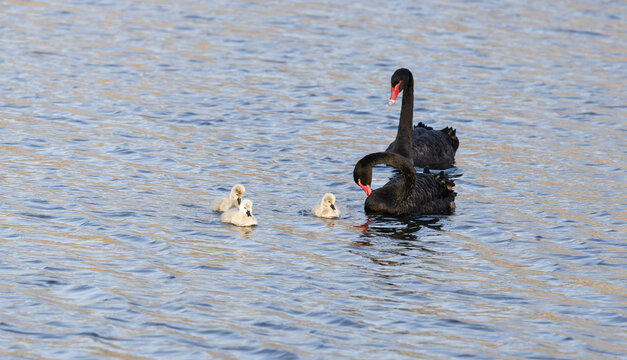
(431,194)
(434,148)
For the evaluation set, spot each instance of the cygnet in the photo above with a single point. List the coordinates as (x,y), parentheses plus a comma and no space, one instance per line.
(326,208)
(233,200)
(242,216)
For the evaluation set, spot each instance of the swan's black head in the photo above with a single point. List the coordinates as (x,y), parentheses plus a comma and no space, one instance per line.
(362,175)
(401,79)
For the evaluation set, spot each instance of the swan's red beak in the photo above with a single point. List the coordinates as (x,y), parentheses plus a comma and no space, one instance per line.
(395,90)
(366,188)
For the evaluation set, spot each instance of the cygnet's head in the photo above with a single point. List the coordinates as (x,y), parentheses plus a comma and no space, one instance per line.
(237,192)
(246,207)
(328,200)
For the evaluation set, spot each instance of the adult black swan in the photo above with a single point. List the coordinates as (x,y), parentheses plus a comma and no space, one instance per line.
(425,146)
(409,193)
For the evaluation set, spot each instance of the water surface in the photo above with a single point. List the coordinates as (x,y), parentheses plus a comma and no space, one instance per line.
(121,122)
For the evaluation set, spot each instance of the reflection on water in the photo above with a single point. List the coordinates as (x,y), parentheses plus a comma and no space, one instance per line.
(401,235)
(121,123)
(401,228)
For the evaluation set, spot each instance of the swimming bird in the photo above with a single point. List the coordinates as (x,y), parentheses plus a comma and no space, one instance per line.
(241,216)
(233,200)
(326,208)
(407,193)
(421,144)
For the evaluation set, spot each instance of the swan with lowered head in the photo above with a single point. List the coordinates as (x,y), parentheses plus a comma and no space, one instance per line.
(326,208)
(421,144)
(233,200)
(409,193)
(241,216)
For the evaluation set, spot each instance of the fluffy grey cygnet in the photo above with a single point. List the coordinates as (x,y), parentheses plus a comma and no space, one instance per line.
(233,200)
(326,208)
(241,216)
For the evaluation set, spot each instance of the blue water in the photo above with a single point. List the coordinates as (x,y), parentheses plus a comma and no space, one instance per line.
(122,121)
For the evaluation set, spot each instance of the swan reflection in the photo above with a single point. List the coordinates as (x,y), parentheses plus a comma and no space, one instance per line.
(399,228)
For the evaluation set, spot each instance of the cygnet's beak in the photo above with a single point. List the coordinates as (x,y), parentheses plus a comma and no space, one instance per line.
(248,213)
(239,201)
(333,206)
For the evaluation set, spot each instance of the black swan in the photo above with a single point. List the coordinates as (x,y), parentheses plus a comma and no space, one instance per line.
(427,147)
(409,193)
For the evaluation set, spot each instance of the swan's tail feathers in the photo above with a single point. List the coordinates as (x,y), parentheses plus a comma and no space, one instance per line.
(452,135)
(422,125)
(443,179)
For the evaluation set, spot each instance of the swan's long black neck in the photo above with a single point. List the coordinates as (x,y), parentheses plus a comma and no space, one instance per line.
(403,187)
(404,137)
(408,174)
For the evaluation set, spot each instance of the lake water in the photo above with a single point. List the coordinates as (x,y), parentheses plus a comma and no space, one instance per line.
(122,121)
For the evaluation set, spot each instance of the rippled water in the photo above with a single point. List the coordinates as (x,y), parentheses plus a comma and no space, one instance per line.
(122,121)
